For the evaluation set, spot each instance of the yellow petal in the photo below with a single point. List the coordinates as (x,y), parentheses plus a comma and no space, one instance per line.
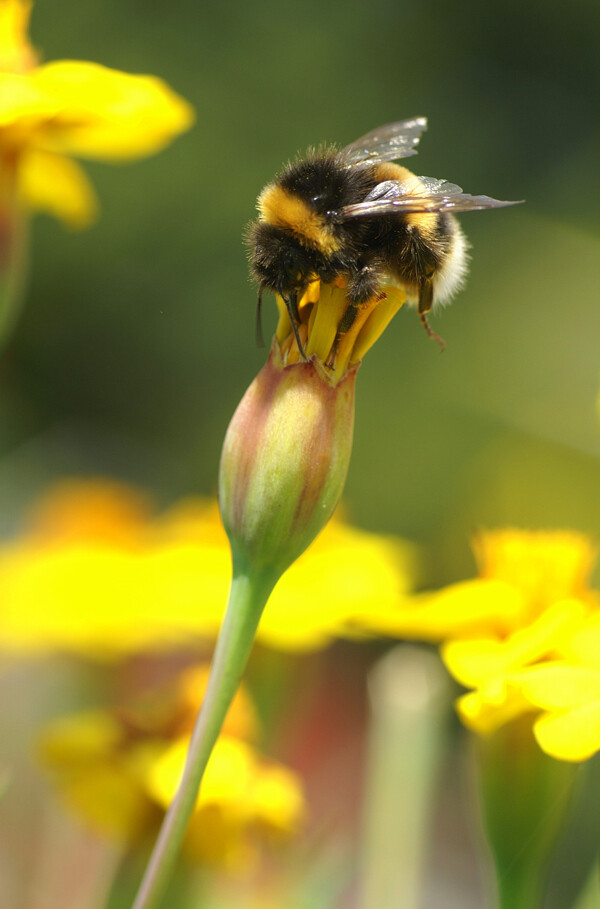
(583,646)
(490,707)
(16,53)
(99,510)
(108,800)
(153,582)
(378,320)
(58,186)
(237,780)
(108,114)
(240,794)
(550,686)
(278,800)
(81,753)
(461,610)
(546,565)
(81,738)
(146,583)
(24,102)
(570,736)
(557,686)
(241,721)
(328,313)
(227,776)
(354,572)
(472,662)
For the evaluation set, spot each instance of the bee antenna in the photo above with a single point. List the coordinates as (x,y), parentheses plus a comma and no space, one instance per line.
(260,341)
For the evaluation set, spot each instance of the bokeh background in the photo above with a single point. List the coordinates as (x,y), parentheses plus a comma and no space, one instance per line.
(137,337)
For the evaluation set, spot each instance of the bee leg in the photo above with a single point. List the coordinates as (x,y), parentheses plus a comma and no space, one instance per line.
(291,303)
(362,286)
(425,304)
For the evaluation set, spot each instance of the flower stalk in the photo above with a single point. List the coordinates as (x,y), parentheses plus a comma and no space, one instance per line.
(283,468)
(524,798)
(246,602)
(13,251)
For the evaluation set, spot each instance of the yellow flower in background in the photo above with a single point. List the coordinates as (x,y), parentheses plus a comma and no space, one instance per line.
(546,567)
(564,692)
(518,668)
(96,572)
(521,574)
(51,112)
(118,770)
(240,792)
(524,635)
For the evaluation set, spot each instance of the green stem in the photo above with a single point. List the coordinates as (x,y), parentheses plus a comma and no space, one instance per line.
(520,890)
(524,798)
(14,236)
(247,599)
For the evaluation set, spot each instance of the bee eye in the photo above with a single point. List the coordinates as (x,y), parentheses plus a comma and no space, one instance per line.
(293,274)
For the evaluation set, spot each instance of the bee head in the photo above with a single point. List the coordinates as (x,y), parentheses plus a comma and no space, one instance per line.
(278,261)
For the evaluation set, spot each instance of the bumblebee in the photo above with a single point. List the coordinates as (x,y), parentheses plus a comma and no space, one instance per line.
(355,215)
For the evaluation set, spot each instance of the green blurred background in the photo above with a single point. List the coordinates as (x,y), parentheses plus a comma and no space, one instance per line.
(137,339)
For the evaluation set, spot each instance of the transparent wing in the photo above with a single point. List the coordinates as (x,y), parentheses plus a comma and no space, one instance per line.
(433,195)
(387,143)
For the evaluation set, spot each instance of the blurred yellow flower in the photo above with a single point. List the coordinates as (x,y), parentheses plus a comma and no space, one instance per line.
(49,112)
(240,792)
(564,692)
(521,574)
(97,573)
(524,635)
(119,769)
(549,573)
(517,662)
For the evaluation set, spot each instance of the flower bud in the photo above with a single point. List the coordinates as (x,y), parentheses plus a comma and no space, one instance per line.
(284,463)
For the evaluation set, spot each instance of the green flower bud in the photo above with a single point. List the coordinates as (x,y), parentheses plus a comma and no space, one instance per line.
(284,463)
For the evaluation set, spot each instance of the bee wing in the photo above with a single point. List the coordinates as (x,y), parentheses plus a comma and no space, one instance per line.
(394,196)
(387,143)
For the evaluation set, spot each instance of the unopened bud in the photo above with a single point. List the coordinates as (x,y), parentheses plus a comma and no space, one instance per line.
(284,463)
